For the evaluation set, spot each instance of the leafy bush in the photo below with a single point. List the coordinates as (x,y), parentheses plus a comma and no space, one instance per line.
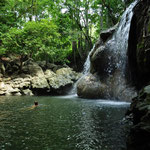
(39,40)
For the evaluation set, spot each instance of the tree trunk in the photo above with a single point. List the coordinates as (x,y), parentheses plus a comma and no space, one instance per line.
(101,18)
(74,48)
(80,47)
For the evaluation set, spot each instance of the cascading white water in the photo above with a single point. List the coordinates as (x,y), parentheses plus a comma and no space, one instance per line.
(117,46)
(87,63)
(119,42)
(86,70)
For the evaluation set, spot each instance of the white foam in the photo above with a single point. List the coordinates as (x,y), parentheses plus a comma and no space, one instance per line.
(111,102)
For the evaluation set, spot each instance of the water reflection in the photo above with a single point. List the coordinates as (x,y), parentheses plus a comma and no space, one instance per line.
(61,123)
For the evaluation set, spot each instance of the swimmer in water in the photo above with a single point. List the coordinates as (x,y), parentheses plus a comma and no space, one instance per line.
(32,107)
(35,103)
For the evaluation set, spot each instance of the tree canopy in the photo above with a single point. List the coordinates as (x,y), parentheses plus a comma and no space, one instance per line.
(55,30)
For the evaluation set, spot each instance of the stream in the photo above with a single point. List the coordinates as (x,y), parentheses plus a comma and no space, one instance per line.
(62,123)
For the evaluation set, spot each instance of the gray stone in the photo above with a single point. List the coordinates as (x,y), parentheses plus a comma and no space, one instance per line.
(90,87)
(39,83)
(107,34)
(27,92)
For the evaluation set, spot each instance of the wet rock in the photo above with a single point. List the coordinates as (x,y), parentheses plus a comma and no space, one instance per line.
(107,34)
(90,87)
(103,62)
(139,44)
(101,56)
(139,63)
(139,136)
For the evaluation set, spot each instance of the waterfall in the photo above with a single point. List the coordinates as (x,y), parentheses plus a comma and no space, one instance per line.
(87,63)
(117,47)
(86,70)
(119,42)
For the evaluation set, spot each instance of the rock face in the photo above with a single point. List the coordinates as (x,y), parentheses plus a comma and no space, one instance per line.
(105,35)
(139,63)
(139,136)
(108,59)
(100,55)
(139,44)
(35,81)
(90,87)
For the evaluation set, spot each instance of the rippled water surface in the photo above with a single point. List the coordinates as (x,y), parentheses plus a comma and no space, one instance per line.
(61,123)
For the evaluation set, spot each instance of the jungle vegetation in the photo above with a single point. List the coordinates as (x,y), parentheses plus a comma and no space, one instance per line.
(58,31)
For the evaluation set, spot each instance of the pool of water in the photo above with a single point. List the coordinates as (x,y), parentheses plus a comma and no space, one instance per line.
(61,123)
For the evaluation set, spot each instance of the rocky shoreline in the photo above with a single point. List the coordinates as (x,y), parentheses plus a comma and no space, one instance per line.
(36,79)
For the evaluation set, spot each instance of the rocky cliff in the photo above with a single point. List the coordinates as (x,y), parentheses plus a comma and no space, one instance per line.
(139,44)
(139,63)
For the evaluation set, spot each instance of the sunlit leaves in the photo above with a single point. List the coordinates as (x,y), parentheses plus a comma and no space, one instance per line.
(35,39)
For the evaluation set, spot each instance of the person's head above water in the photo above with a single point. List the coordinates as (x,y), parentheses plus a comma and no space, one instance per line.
(35,103)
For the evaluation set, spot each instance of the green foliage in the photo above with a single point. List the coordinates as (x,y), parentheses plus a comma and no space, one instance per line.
(7,17)
(28,31)
(38,40)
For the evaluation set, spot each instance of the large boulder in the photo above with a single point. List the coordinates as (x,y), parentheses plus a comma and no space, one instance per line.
(103,61)
(68,73)
(61,80)
(102,57)
(57,81)
(90,87)
(38,82)
(107,34)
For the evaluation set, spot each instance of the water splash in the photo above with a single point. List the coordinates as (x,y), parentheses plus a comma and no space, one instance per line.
(86,70)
